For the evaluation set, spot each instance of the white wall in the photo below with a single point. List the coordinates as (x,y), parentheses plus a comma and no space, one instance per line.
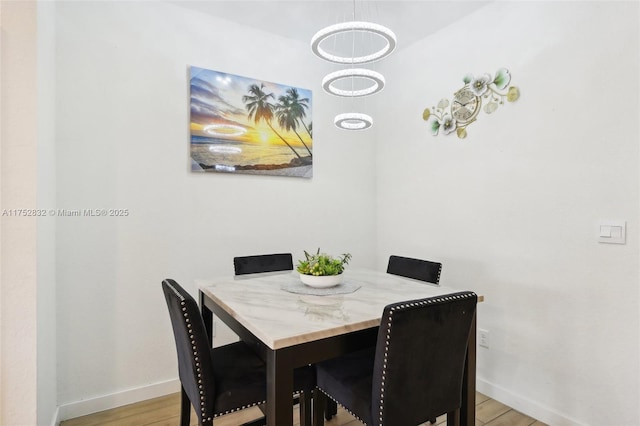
(46,200)
(512,210)
(28,380)
(122,141)
(18,251)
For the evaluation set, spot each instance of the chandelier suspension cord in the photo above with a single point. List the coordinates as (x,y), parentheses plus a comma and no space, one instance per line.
(353,48)
(372,81)
(371,40)
(353,77)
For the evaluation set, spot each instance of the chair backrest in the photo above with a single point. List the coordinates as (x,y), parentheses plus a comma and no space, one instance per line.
(263,263)
(417,269)
(420,356)
(194,354)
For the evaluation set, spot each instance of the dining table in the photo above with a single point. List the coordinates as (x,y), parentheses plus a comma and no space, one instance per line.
(290,325)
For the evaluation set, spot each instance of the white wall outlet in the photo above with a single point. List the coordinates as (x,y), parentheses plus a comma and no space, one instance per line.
(483,338)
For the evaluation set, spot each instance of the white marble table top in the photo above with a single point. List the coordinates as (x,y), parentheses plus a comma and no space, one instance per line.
(280,319)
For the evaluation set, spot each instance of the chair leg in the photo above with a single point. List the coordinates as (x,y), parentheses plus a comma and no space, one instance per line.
(185,408)
(453,418)
(331,407)
(319,400)
(305,408)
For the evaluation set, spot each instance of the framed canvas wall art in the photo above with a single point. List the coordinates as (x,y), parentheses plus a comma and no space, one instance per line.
(244,125)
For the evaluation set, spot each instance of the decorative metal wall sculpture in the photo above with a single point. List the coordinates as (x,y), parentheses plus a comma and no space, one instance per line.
(467,102)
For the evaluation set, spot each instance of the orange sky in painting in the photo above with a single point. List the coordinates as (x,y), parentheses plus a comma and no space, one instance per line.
(216,99)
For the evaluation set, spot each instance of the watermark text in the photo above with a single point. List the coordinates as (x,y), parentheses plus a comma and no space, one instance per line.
(65,212)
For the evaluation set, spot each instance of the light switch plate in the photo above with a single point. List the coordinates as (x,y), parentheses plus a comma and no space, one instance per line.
(612,232)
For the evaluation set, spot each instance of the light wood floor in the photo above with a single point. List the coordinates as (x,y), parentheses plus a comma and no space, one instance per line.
(165,411)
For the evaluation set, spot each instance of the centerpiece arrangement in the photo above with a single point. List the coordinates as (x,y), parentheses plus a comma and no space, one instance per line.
(322,270)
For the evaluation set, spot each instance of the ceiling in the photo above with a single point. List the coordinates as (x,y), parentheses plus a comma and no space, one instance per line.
(301,19)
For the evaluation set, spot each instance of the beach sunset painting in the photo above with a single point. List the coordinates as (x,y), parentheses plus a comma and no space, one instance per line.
(243,125)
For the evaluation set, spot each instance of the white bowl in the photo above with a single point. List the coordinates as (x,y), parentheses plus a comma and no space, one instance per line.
(321,281)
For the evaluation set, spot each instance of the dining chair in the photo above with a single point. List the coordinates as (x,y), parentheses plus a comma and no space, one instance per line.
(263,263)
(221,380)
(417,269)
(271,263)
(404,380)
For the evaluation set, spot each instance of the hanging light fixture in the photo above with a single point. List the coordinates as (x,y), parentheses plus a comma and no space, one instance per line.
(344,27)
(353,121)
(375,80)
(375,77)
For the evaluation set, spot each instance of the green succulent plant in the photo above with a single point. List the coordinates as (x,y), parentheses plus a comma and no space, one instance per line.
(322,264)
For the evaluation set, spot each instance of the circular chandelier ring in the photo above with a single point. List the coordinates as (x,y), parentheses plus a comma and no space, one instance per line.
(376,78)
(344,27)
(353,121)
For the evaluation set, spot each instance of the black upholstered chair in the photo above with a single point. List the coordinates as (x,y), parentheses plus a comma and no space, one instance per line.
(263,263)
(417,269)
(272,263)
(405,380)
(244,265)
(224,379)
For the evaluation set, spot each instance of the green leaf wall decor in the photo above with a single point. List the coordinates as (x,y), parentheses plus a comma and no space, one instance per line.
(467,102)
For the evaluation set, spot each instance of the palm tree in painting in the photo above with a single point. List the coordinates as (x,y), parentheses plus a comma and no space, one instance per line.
(299,107)
(287,115)
(259,107)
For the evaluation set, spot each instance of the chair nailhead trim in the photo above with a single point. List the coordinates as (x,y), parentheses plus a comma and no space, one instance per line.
(401,307)
(239,408)
(199,372)
(196,360)
(346,408)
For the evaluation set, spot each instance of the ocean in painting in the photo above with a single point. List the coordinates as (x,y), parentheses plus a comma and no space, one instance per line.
(220,154)
(244,125)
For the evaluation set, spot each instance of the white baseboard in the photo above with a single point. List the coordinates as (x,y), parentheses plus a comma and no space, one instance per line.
(130,396)
(524,405)
(55,421)
(118,399)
